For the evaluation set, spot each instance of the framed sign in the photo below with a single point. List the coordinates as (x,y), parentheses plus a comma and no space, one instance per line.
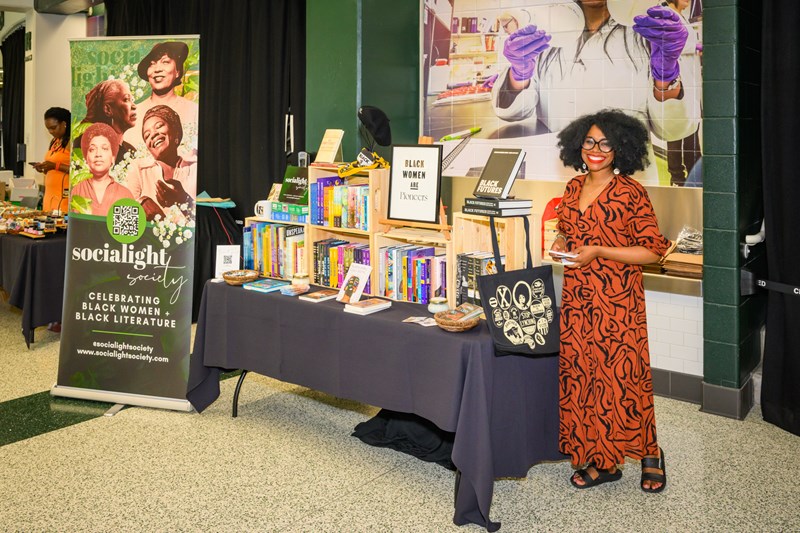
(415,183)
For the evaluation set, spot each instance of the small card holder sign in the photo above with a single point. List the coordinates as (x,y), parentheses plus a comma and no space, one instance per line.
(227,259)
(415,183)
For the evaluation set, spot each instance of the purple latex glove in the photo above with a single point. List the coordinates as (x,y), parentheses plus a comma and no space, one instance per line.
(667,35)
(489,82)
(522,48)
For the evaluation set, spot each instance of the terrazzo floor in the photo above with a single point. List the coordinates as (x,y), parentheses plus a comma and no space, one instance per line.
(287,463)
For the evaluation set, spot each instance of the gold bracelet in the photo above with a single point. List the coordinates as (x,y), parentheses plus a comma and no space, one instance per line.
(561,236)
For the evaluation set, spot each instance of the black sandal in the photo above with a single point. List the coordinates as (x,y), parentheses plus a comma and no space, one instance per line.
(603,476)
(650,468)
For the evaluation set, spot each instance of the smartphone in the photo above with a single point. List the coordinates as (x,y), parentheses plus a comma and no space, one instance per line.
(569,255)
(564,256)
(32,163)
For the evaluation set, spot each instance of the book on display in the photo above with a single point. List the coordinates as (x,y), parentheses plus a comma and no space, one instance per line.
(353,283)
(265,285)
(294,189)
(368,306)
(499,173)
(330,148)
(319,296)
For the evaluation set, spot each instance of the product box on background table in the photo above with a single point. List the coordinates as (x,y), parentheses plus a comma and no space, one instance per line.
(23,188)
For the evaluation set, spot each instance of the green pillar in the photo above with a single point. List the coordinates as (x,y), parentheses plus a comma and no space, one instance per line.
(732,200)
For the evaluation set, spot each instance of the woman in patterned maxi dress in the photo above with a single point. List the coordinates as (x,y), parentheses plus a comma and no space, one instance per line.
(606,220)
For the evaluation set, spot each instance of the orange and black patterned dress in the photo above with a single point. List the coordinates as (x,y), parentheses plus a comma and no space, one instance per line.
(605,385)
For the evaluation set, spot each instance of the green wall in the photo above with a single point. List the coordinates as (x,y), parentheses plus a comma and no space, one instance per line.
(333,69)
(732,196)
(361,52)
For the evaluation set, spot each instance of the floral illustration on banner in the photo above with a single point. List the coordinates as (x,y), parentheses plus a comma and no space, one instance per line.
(177,223)
(137,85)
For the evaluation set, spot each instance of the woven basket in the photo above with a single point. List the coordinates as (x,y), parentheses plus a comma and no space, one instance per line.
(239,277)
(454,326)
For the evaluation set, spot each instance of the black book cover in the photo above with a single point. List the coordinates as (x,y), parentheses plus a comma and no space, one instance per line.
(499,173)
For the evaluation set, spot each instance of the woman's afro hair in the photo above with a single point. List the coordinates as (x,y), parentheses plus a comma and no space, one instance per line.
(627,135)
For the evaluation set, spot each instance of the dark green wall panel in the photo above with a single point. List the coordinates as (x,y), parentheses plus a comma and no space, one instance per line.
(361,52)
(724,103)
(720,173)
(719,210)
(719,31)
(721,248)
(719,62)
(331,70)
(719,134)
(720,364)
(390,77)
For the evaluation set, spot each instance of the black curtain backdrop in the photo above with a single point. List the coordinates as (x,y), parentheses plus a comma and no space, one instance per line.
(252,71)
(13,50)
(780,393)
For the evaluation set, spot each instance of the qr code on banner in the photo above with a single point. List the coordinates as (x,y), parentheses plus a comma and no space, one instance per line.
(126,220)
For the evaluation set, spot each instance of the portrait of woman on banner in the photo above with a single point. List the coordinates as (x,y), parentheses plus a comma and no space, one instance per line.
(110,102)
(164,178)
(100,145)
(164,70)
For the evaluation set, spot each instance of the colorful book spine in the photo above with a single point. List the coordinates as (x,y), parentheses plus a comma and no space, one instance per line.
(364,204)
(366,259)
(247,258)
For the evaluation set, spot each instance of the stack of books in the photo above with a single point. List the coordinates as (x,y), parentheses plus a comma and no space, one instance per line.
(497,207)
(470,266)
(491,194)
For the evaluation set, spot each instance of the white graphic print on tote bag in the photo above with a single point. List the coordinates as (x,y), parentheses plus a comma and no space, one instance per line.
(524,313)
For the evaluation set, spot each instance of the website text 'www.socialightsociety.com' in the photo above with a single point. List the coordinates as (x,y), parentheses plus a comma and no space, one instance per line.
(123,350)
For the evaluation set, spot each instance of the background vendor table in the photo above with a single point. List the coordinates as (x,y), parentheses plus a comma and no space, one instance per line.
(32,272)
(503,410)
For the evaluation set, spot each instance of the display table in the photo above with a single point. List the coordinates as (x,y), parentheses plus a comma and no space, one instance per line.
(32,272)
(503,410)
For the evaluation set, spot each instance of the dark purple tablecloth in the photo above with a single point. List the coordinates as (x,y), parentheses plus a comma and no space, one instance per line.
(32,272)
(503,410)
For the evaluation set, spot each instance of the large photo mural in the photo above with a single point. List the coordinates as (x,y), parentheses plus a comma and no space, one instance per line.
(513,73)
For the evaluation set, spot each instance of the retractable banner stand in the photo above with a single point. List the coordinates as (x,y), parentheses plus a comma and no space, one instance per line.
(130,247)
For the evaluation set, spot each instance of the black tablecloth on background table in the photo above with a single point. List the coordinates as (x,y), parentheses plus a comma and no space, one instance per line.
(503,410)
(32,272)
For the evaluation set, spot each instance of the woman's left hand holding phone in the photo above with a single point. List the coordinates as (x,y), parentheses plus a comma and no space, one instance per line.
(44,166)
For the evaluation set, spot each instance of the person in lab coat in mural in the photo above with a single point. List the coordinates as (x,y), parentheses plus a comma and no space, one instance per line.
(636,69)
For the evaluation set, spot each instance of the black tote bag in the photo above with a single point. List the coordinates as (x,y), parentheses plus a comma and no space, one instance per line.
(520,305)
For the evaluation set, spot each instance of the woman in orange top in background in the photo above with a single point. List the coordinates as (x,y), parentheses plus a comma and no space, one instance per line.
(56,161)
